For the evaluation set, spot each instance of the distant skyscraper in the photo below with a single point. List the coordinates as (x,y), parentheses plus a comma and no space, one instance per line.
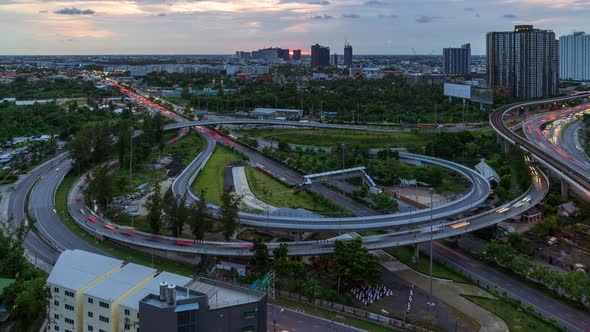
(574,57)
(347,55)
(524,60)
(334,60)
(284,53)
(320,56)
(457,61)
(296,54)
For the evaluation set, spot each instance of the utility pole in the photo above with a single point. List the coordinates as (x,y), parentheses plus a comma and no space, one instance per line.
(430,301)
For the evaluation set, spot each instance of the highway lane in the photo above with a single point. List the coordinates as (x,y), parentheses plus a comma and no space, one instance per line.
(16,207)
(42,208)
(574,319)
(440,229)
(557,165)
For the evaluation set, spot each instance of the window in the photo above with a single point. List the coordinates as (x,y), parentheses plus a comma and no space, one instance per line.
(101,330)
(69,307)
(103,319)
(66,330)
(127,327)
(250,314)
(90,328)
(68,293)
(56,290)
(90,314)
(90,300)
(69,321)
(56,303)
(55,316)
(56,328)
(249,328)
(126,312)
(104,305)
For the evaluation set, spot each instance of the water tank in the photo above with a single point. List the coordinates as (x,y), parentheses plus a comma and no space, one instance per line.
(163,286)
(171,294)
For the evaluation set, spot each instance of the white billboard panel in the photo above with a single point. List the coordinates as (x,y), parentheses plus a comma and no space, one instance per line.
(458,90)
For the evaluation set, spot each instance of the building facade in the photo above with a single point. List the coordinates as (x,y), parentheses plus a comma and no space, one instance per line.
(524,60)
(348,55)
(574,57)
(320,56)
(457,60)
(334,60)
(94,293)
(296,55)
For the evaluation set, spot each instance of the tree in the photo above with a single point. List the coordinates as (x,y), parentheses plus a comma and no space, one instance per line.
(101,188)
(199,217)
(176,213)
(354,264)
(228,213)
(518,242)
(384,203)
(154,207)
(260,259)
(312,289)
(282,264)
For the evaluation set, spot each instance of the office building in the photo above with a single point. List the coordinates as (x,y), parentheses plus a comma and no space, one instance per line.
(574,57)
(347,55)
(524,61)
(334,60)
(457,61)
(320,56)
(93,293)
(297,55)
(284,53)
(273,54)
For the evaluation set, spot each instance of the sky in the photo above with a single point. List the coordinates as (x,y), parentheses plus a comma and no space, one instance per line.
(37,27)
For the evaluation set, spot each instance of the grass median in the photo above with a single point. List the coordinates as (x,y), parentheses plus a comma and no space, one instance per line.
(405,254)
(517,318)
(211,176)
(275,193)
(110,247)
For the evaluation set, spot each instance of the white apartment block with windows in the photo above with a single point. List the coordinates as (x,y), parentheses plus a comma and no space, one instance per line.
(101,302)
(75,272)
(574,57)
(129,308)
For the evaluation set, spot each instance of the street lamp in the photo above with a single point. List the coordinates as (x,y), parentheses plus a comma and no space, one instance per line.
(430,301)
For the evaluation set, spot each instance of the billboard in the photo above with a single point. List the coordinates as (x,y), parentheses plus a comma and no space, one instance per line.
(458,90)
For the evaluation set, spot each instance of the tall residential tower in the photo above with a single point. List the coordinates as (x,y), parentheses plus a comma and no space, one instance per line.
(574,57)
(347,55)
(320,56)
(524,60)
(457,61)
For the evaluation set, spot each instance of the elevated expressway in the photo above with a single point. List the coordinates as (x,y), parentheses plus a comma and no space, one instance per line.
(559,165)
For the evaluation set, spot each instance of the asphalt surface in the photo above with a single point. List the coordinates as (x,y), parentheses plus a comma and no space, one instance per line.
(282,319)
(548,306)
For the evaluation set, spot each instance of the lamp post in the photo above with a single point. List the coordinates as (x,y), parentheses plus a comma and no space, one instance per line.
(430,301)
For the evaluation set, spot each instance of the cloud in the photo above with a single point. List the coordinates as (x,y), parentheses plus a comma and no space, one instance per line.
(387,16)
(74,11)
(322,17)
(469,9)
(321,3)
(374,3)
(162,14)
(43,12)
(509,16)
(351,16)
(426,19)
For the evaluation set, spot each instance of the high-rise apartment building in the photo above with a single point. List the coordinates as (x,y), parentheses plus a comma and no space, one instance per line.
(347,55)
(320,56)
(524,60)
(574,57)
(334,60)
(296,54)
(457,60)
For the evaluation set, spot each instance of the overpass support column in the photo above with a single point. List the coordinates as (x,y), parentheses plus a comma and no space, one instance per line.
(564,189)
(416,253)
(506,146)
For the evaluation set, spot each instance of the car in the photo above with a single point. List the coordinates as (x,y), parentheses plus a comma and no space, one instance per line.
(93,218)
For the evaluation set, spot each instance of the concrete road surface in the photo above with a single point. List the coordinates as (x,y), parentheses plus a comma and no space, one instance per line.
(288,320)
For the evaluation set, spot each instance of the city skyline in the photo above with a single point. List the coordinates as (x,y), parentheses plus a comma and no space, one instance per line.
(220,26)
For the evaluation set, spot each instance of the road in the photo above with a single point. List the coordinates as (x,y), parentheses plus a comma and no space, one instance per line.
(287,320)
(548,306)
